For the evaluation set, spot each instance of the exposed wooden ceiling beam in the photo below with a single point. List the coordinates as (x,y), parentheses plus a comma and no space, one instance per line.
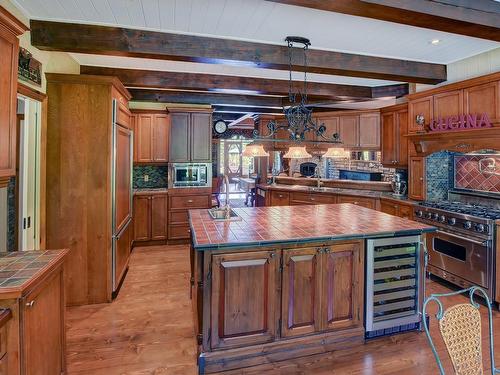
(226,116)
(476,18)
(214,83)
(239,121)
(246,110)
(191,97)
(69,37)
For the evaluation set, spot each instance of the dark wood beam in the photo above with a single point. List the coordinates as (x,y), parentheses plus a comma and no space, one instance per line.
(246,110)
(397,91)
(219,83)
(226,116)
(191,97)
(476,18)
(68,37)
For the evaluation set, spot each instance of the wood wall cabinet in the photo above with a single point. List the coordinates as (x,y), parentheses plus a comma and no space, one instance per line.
(369,131)
(483,98)
(420,107)
(450,103)
(242,317)
(79,184)
(416,178)
(10,29)
(150,217)
(349,131)
(152,133)
(393,134)
(190,136)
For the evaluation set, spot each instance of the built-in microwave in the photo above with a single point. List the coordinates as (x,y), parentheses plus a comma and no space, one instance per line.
(183,175)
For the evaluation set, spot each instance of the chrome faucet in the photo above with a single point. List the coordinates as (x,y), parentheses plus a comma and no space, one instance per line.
(226,206)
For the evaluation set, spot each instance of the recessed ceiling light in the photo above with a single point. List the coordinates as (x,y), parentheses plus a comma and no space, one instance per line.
(435,42)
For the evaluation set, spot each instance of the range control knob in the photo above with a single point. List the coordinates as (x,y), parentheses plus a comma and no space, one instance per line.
(435,216)
(420,213)
(429,215)
(480,227)
(467,225)
(452,221)
(442,219)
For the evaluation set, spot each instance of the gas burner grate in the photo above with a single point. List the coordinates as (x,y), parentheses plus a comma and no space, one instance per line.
(466,209)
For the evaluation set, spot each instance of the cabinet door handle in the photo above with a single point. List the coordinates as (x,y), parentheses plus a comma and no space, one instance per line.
(319,250)
(30,304)
(421,178)
(190,201)
(312,198)
(356,202)
(281,195)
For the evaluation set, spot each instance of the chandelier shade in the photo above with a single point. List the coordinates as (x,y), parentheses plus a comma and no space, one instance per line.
(335,152)
(254,150)
(297,152)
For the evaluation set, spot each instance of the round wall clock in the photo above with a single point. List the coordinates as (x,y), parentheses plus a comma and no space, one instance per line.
(220,127)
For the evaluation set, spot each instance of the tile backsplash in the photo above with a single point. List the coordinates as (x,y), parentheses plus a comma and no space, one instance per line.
(156,176)
(439,174)
(479,172)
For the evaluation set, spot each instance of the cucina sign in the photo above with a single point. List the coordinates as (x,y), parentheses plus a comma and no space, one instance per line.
(460,122)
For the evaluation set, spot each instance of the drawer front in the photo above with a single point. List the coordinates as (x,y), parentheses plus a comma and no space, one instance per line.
(360,201)
(389,208)
(178,232)
(178,217)
(406,212)
(311,198)
(190,201)
(280,198)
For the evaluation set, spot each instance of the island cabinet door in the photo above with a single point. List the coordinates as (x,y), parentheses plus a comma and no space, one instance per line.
(245,298)
(342,287)
(300,292)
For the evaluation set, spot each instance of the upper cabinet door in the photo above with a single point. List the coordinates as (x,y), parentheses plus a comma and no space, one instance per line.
(342,287)
(201,137)
(389,139)
(179,137)
(300,296)
(449,103)
(9,45)
(483,99)
(417,180)
(402,141)
(420,107)
(245,313)
(369,130)
(349,131)
(144,134)
(161,134)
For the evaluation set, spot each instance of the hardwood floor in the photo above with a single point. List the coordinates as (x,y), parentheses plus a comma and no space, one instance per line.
(148,329)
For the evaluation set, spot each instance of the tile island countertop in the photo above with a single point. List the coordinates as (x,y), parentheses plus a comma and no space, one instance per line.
(297,224)
(20,269)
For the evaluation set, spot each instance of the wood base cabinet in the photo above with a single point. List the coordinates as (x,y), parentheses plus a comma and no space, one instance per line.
(392,207)
(416,179)
(180,202)
(283,302)
(150,217)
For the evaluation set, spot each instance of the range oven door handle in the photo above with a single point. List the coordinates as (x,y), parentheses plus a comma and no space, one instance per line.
(480,243)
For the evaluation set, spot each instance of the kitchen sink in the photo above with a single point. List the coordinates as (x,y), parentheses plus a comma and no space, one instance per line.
(221,214)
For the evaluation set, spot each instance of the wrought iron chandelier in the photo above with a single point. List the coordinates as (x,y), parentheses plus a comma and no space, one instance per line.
(299,121)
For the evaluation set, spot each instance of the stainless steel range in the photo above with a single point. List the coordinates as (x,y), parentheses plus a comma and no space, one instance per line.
(462,250)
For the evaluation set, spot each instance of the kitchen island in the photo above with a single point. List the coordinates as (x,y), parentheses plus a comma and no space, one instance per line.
(275,283)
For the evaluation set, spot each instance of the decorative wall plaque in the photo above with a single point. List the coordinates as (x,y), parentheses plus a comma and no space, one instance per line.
(460,122)
(29,68)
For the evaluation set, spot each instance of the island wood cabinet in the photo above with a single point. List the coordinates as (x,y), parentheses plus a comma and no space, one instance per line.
(359,201)
(10,29)
(190,136)
(150,217)
(151,141)
(298,198)
(393,134)
(416,178)
(322,289)
(279,198)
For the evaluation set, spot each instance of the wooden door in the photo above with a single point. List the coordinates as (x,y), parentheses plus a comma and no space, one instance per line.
(420,107)
(369,130)
(160,139)
(144,134)
(280,198)
(401,140)
(122,255)
(417,180)
(142,217)
(450,103)
(342,287)
(123,178)
(483,99)
(179,138)
(201,137)
(300,298)
(349,131)
(42,327)
(159,217)
(389,139)
(9,45)
(244,298)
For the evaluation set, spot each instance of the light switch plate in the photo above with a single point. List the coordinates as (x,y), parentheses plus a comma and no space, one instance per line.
(146,178)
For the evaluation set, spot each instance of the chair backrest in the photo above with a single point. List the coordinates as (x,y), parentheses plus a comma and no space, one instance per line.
(460,328)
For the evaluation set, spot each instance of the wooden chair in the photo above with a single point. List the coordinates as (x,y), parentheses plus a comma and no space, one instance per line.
(460,328)
(216,185)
